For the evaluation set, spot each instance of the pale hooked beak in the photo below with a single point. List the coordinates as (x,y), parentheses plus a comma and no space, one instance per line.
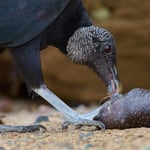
(114,87)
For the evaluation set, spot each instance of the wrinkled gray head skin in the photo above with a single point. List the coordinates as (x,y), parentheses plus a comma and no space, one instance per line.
(95,47)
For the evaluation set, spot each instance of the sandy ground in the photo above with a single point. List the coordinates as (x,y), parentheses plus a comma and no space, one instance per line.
(86,138)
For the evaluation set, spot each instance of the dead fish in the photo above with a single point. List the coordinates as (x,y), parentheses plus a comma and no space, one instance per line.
(126,111)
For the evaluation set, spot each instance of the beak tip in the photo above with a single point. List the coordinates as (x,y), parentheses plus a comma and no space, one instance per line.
(115,89)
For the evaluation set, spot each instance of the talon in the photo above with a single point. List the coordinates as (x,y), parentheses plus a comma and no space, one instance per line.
(82,122)
(78,126)
(65,125)
(100,125)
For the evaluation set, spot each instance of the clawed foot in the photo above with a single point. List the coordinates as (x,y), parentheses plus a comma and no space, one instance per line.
(78,123)
(21,129)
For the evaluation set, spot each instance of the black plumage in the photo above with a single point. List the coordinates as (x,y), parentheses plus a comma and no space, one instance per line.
(28,26)
(31,26)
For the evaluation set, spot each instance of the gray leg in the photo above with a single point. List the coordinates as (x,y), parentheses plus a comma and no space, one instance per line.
(73,117)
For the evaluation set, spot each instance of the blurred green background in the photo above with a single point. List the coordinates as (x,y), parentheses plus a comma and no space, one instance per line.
(129,21)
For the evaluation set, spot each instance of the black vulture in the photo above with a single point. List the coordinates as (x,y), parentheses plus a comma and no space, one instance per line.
(28,26)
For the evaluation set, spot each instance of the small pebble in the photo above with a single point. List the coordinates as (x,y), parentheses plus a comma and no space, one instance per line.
(41,119)
(88,145)
(146,148)
(86,135)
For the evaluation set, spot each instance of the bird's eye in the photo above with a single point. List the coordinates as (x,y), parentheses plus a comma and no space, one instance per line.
(107,48)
